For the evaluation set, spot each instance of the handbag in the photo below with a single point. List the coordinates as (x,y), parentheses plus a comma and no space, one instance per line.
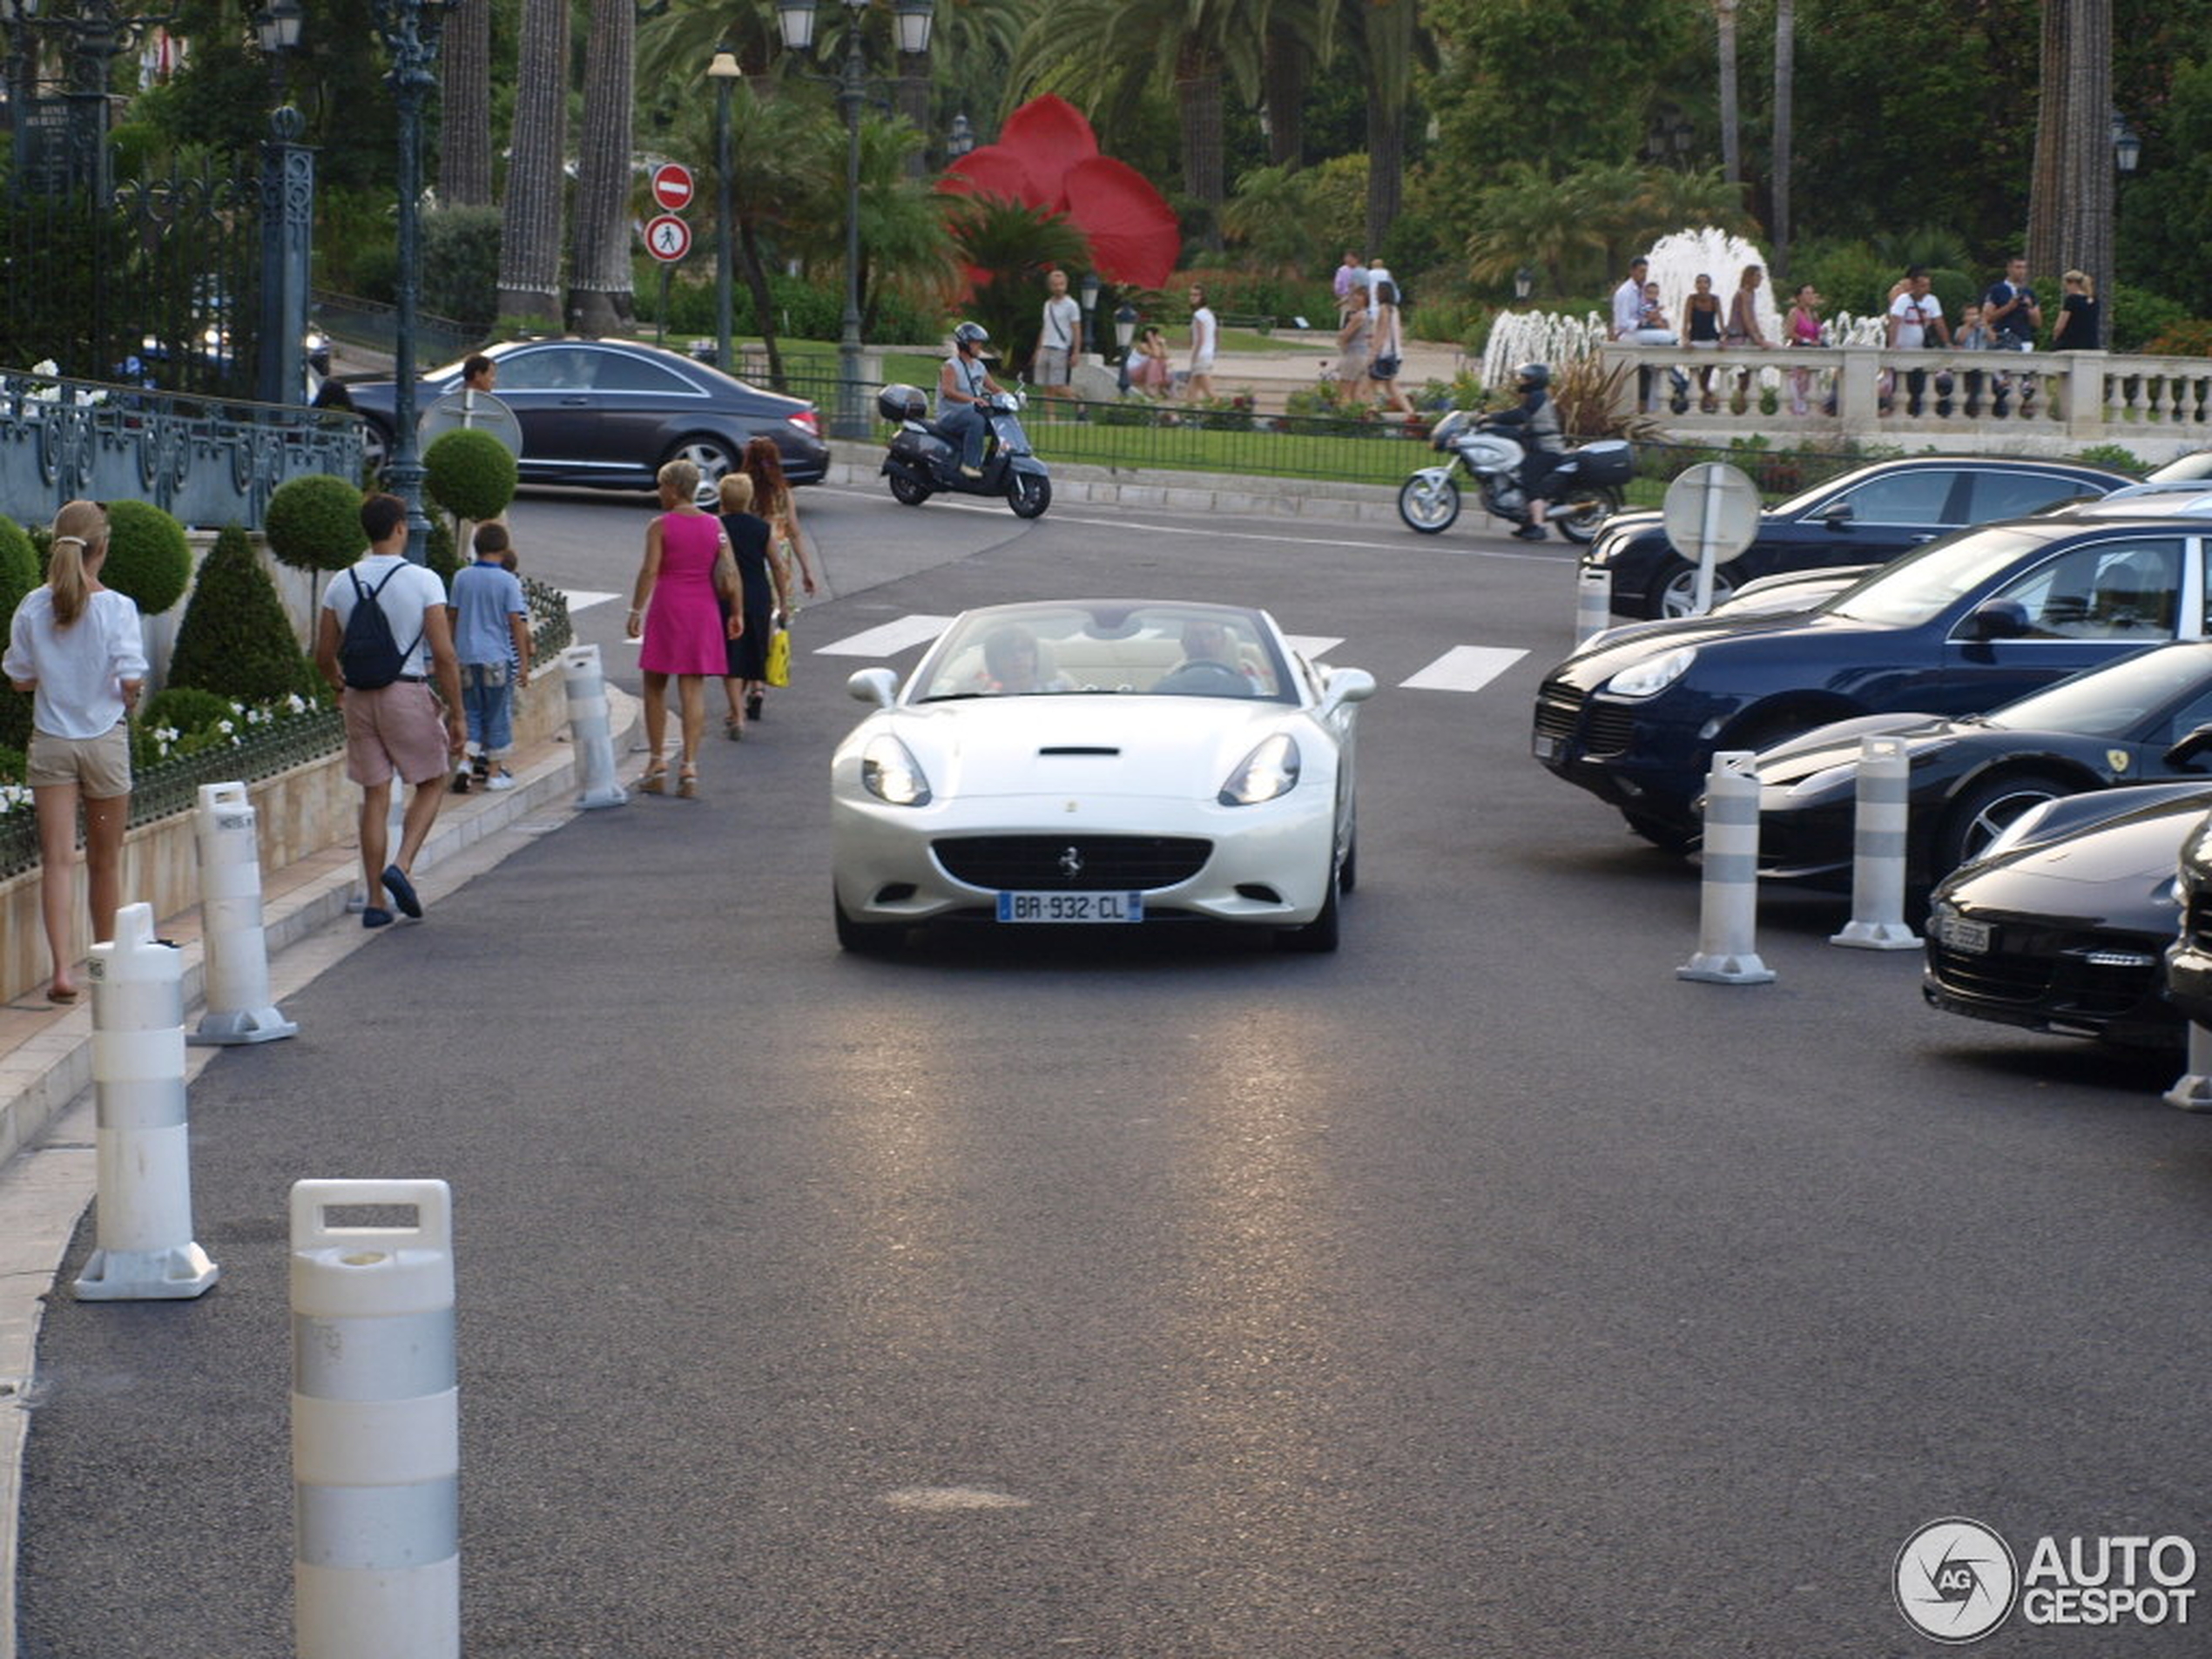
(1385,368)
(779,657)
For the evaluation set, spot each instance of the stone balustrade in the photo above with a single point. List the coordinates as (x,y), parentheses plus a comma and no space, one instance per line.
(2016,402)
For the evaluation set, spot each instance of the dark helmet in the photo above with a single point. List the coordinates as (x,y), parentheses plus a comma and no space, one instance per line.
(971,334)
(1529,377)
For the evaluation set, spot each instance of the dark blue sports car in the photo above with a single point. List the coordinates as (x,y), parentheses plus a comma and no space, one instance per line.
(1962,626)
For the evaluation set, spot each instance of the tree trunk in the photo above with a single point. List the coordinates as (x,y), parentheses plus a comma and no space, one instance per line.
(1785,69)
(464,154)
(599,282)
(912,102)
(529,234)
(1389,35)
(1198,99)
(764,309)
(1731,151)
(2070,201)
(1284,76)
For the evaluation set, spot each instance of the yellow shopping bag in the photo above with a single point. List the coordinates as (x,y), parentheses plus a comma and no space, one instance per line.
(779,657)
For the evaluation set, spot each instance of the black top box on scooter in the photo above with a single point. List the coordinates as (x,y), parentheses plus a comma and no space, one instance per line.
(902,403)
(1609,461)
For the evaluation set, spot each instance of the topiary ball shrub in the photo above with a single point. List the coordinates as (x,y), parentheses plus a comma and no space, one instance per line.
(148,557)
(469,473)
(235,639)
(314,522)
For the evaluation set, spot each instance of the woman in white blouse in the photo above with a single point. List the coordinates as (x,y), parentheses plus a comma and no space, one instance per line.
(75,647)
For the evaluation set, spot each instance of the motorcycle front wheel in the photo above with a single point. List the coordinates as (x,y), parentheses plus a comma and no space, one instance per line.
(1431,508)
(906,491)
(1583,511)
(1029,494)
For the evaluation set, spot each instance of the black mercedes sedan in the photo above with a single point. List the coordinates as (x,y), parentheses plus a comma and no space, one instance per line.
(2062,925)
(607,413)
(2145,719)
(1967,624)
(1865,517)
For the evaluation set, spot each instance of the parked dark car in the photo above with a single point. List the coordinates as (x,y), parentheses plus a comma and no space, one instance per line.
(2062,928)
(608,414)
(2145,719)
(1865,517)
(1985,616)
(2189,957)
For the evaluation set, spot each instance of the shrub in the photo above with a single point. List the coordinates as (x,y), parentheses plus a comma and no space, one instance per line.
(18,576)
(461,264)
(438,552)
(2189,338)
(183,708)
(2117,457)
(313,523)
(2135,315)
(469,473)
(235,639)
(148,557)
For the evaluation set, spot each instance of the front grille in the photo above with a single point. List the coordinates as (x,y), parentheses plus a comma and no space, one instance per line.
(1611,727)
(2060,983)
(2197,923)
(1559,710)
(1993,978)
(1105,863)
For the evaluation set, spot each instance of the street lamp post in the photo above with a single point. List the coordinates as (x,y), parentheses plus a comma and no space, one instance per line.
(1523,281)
(961,139)
(725,74)
(288,219)
(1124,327)
(796,19)
(410,30)
(1090,306)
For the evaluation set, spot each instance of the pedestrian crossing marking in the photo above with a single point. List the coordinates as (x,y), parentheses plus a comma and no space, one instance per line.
(584,598)
(888,639)
(1464,668)
(1313,647)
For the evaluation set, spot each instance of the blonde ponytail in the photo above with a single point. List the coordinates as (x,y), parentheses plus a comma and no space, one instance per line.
(80,538)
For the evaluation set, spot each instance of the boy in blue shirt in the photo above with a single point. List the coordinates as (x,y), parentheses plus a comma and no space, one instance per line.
(491,636)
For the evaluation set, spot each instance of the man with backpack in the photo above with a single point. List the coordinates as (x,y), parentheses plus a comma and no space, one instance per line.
(383,632)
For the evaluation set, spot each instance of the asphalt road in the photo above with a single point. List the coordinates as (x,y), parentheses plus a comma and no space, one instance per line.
(1481,1288)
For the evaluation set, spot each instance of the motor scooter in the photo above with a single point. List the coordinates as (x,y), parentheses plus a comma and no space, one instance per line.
(924,460)
(1583,487)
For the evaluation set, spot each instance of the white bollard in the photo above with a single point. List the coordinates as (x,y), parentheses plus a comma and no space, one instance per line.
(1882,812)
(1592,600)
(144,1244)
(2192,1091)
(1728,900)
(238,1005)
(375,1426)
(591,727)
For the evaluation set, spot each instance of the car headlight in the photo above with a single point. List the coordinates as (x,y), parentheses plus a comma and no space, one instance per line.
(889,771)
(1267,772)
(1655,675)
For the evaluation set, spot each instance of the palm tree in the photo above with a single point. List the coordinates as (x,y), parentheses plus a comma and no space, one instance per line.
(464,108)
(1013,245)
(1388,38)
(1526,218)
(599,278)
(1732,155)
(1785,60)
(2070,193)
(529,240)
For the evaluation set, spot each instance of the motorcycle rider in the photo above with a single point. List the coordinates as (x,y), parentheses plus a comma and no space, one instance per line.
(962,385)
(1538,417)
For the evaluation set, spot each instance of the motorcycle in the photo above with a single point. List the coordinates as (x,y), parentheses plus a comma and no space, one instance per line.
(1583,488)
(924,460)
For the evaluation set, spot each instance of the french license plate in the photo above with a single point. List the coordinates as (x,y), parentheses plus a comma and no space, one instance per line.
(1968,938)
(1546,747)
(1071,907)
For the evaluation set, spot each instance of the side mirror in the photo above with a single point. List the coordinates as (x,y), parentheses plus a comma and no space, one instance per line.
(1999,619)
(1347,685)
(1836,514)
(876,685)
(2196,743)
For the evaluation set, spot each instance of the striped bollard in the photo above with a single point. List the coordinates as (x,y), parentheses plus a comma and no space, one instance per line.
(1728,900)
(239,1008)
(1878,851)
(2192,1091)
(145,1248)
(591,727)
(1592,600)
(375,1426)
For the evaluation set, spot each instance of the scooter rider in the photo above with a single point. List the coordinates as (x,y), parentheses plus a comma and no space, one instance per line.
(962,385)
(1537,416)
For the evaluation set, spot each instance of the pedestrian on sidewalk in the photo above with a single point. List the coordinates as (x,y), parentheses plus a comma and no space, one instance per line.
(760,597)
(774,500)
(491,636)
(74,648)
(673,607)
(1389,349)
(1063,321)
(1205,335)
(394,728)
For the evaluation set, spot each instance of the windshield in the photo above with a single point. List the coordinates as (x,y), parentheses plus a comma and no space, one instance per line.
(1920,586)
(1114,647)
(2111,701)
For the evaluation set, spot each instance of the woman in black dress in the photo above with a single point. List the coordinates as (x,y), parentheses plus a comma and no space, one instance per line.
(761,599)
(2078,324)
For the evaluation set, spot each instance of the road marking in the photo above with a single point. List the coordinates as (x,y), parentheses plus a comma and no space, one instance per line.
(584,598)
(1313,647)
(889,640)
(939,1499)
(1464,668)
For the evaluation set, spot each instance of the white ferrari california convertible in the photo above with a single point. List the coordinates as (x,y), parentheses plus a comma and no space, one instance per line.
(1099,762)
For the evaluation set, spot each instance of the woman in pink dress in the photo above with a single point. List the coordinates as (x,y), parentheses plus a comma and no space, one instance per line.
(684,631)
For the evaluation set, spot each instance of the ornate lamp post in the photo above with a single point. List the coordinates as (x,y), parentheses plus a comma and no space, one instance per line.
(288,219)
(796,19)
(725,74)
(1124,327)
(1090,306)
(961,139)
(2126,146)
(1523,281)
(410,30)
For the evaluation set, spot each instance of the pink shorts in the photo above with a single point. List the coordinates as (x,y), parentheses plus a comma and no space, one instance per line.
(395,728)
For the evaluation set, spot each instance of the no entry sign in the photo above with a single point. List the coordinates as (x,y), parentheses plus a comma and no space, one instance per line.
(672,186)
(667,237)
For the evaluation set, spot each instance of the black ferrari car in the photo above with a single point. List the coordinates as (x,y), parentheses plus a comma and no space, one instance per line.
(1865,517)
(2147,718)
(607,413)
(2062,927)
